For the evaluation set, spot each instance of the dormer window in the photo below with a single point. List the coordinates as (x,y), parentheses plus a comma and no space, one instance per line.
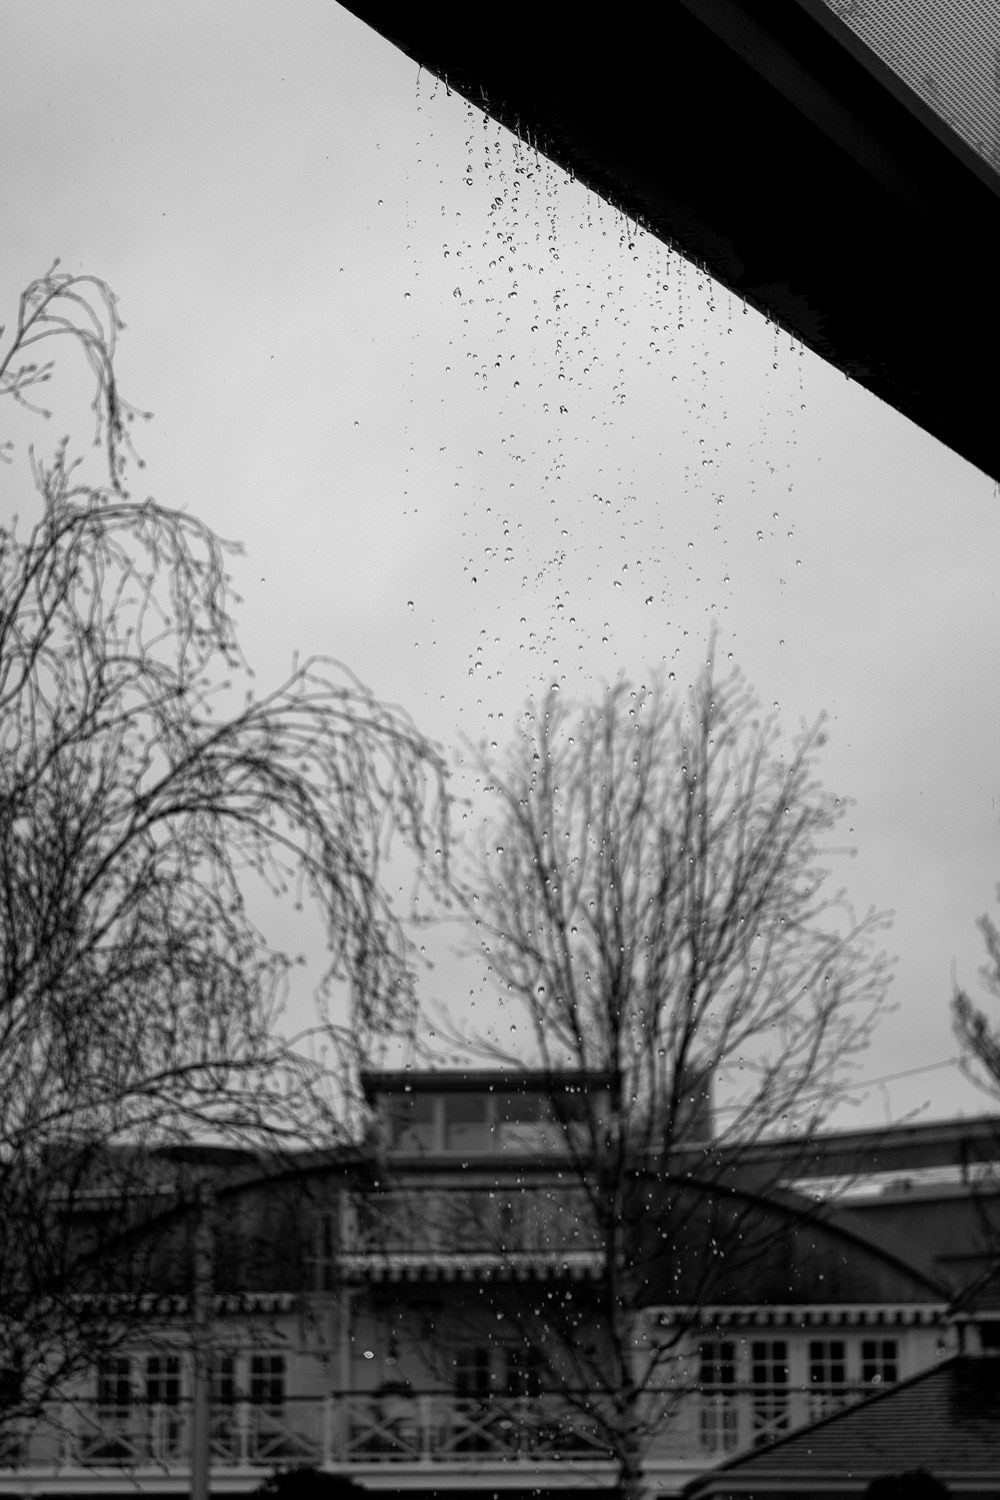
(413,1122)
(480,1113)
(472,1123)
(467,1126)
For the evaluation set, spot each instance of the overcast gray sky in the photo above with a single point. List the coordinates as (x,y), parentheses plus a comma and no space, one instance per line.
(479,436)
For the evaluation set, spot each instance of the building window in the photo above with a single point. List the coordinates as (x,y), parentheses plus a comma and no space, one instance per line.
(466,1220)
(225,1428)
(526,1122)
(827,1362)
(114,1382)
(827,1376)
(466,1124)
(510,1215)
(163,1395)
(717,1387)
(325,1240)
(111,1440)
(879,1361)
(769,1381)
(267,1381)
(523,1373)
(11,1383)
(399,1221)
(224,1380)
(163,1380)
(412,1123)
(472,1373)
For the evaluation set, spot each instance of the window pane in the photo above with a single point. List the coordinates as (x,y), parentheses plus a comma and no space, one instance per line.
(466,1123)
(879,1361)
(524,1371)
(114,1386)
(827,1362)
(472,1371)
(718,1364)
(163,1379)
(224,1380)
(718,1414)
(411,1123)
(267,1380)
(522,1109)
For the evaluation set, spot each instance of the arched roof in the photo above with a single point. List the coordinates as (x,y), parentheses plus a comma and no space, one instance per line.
(724,1245)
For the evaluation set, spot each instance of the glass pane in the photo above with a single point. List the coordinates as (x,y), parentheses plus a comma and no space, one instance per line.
(466,1126)
(411,1122)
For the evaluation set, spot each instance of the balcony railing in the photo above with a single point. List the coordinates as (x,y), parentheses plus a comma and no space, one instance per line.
(423,1429)
(354,1429)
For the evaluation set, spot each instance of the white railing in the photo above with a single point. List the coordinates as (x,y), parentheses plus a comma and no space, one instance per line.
(430,1428)
(424,1429)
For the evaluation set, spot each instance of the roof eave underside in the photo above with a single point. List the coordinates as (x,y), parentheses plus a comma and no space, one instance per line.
(767,144)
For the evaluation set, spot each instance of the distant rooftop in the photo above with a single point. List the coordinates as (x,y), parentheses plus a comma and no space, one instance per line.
(484,1080)
(946,1420)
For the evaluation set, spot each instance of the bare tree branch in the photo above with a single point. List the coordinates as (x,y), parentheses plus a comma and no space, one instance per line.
(152,803)
(979,1039)
(653,893)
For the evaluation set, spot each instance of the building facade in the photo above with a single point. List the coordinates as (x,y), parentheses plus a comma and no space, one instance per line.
(424,1313)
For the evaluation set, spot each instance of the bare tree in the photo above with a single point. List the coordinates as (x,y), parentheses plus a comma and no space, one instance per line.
(652,896)
(978,1037)
(152,803)
(979,1040)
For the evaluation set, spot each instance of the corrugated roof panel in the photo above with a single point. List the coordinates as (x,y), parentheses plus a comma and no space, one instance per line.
(946,51)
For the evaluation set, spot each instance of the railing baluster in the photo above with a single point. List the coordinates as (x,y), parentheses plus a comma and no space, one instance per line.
(329,1447)
(424,1429)
(243,1425)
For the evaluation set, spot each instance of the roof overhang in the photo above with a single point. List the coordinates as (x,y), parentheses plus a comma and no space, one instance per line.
(806,1315)
(767,143)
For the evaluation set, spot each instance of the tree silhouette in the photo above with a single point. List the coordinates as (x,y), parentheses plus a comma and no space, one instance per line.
(152,803)
(651,895)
